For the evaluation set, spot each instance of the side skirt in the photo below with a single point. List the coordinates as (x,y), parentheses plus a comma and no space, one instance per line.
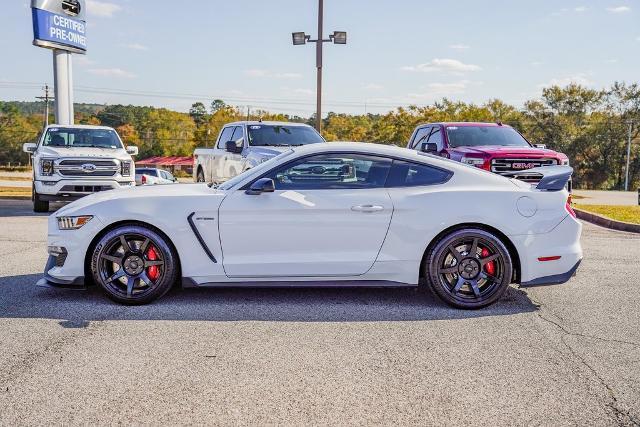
(188,282)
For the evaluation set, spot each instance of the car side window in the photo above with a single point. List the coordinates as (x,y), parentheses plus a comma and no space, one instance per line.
(333,171)
(225,135)
(165,175)
(421,136)
(238,136)
(409,174)
(436,136)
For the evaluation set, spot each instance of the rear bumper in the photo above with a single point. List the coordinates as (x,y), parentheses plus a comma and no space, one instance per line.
(555,279)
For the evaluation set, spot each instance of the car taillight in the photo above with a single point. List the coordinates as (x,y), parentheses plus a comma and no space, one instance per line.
(143,179)
(568,207)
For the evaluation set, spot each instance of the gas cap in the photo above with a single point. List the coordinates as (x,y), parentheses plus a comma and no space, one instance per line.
(527,207)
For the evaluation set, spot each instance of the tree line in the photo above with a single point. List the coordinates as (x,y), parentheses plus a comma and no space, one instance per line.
(590,126)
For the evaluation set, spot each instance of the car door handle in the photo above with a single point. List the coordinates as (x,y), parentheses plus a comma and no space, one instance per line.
(367,208)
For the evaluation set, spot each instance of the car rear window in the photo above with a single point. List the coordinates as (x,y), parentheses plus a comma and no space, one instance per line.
(282,135)
(409,174)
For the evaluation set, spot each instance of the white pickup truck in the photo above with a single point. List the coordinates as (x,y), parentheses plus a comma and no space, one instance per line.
(72,161)
(243,145)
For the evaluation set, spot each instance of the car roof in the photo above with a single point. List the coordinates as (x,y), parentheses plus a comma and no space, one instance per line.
(80,127)
(468,124)
(271,123)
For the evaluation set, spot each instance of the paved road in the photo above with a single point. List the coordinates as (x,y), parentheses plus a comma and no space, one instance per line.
(564,355)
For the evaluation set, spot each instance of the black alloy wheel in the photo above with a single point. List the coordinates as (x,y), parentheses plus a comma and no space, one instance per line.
(469,268)
(134,265)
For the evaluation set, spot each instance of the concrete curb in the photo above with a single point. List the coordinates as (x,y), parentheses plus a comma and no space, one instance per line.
(606,222)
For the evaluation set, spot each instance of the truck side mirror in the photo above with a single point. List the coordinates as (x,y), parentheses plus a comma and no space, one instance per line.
(232,147)
(429,147)
(132,150)
(29,147)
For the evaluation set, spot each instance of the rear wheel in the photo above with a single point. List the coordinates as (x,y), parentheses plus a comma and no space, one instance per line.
(38,204)
(134,265)
(469,268)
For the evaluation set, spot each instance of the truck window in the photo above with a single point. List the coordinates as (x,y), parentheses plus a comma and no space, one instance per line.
(282,135)
(77,137)
(421,136)
(238,135)
(225,136)
(475,136)
(436,136)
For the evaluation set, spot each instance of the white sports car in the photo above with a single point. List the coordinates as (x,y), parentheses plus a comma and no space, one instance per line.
(339,214)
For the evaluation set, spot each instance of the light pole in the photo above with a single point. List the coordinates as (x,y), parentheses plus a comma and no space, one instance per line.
(626,177)
(300,38)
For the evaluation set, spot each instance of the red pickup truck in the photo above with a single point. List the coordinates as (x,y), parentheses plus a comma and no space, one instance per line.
(491,146)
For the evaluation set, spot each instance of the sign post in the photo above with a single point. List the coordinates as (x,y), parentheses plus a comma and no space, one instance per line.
(60,25)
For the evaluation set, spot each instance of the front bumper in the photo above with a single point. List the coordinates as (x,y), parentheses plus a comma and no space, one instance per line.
(72,189)
(49,281)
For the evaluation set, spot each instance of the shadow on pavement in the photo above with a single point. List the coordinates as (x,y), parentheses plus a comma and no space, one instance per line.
(20,207)
(20,298)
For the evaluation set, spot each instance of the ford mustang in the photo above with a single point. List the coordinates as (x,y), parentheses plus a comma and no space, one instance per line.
(339,214)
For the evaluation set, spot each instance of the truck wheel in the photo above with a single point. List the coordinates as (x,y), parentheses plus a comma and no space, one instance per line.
(39,205)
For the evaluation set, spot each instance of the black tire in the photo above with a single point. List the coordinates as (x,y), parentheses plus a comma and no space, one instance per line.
(39,206)
(200,176)
(125,273)
(469,280)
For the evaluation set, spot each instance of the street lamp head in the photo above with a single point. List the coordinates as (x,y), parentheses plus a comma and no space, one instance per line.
(339,37)
(299,38)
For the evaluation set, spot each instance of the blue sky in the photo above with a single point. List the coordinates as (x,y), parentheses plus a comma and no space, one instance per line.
(398,53)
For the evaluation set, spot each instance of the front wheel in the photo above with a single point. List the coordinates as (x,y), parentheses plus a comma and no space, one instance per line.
(469,268)
(134,265)
(39,205)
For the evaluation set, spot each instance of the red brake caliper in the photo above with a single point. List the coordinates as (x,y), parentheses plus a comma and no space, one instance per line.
(153,271)
(490,267)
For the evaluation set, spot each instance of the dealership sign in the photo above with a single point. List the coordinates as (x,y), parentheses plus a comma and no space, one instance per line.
(59,24)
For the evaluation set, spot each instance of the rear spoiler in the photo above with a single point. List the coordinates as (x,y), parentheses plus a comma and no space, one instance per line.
(552,178)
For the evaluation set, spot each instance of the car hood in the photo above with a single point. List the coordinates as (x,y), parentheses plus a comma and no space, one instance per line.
(268,151)
(502,151)
(118,153)
(145,192)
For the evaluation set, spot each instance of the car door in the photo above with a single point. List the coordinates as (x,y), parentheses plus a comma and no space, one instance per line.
(219,156)
(328,216)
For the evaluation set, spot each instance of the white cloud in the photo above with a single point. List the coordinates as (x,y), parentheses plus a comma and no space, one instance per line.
(112,72)
(136,46)
(580,9)
(536,63)
(580,79)
(305,91)
(444,65)
(459,46)
(611,61)
(619,9)
(372,86)
(435,90)
(271,74)
(102,9)
(82,60)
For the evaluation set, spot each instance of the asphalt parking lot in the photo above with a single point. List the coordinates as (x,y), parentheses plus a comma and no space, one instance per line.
(560,355)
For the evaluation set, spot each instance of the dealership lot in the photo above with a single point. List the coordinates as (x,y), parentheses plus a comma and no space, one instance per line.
(567,354)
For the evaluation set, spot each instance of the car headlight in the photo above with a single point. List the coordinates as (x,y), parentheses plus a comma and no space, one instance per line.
(125,168)
(73,222)
(46,167)
(474,161)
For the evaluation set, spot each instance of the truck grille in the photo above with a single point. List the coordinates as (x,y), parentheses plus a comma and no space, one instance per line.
(87,168)
(502,166)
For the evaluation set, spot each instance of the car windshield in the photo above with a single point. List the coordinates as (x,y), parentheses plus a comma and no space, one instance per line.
(262,167)
(77,137)
(475,136)
(282,135)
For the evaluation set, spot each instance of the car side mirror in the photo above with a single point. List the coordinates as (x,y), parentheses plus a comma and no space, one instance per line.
(132,150)
(263,185)
(29,147)
(429,147)
(232,147)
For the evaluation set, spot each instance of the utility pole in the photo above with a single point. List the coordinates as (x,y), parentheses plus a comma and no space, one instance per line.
(46,100)
(626,177)
(248,112)
(338,37)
